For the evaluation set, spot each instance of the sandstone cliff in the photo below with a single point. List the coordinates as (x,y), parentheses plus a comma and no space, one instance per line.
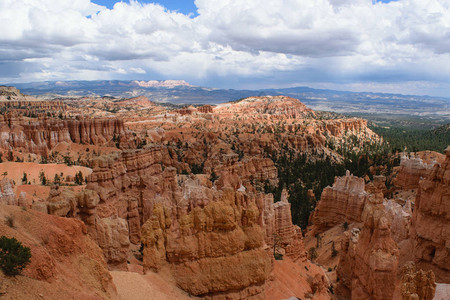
(413,168)
(431,221)
(214,250)
(369,259)
(417,284)
(39,136)
(343,202)
(65,260)
(222,248)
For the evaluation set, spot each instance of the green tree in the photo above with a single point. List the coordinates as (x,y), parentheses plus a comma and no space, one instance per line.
(24,178)
(213,177)
(334,252)
(42,178)
(78,178)
(57,179)
(10,156)
(13,256)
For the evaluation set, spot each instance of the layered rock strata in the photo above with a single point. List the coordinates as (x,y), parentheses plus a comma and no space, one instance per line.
(417,284)
(412,170)
(39,136)
(343,202)
(431,221)
(221,248)
(212,250)
(369,259)
(64,259)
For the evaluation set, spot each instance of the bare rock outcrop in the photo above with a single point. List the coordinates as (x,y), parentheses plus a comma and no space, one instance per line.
(412,169)
(282,106)
(64,259)
(112,236)
(369,259)
(417,284)
(216,250)
(288,236)
(431,221)
(219,243)
(400,219)
(39,136)
(343,202)
(7,194)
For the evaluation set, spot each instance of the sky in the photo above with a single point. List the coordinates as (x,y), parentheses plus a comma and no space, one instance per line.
(357,45)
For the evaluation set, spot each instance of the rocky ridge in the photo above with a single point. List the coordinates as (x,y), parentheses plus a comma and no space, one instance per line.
(343,202)
(431,221)
(369,259)
(65,260)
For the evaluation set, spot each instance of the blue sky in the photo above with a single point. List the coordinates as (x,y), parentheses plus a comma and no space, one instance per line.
(358,45)
(183,6)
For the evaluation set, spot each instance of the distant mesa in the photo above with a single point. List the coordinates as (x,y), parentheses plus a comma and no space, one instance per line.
(164,83)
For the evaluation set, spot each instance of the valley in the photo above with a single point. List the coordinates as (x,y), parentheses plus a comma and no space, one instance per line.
(258,198)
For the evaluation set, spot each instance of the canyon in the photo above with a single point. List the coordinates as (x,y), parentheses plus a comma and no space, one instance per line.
(182,195)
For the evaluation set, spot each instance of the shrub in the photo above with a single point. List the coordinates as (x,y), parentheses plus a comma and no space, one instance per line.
(278,256)
(24,178)
(9,221)
(334,252)
(42,178)
(13,256)
(79,178)
(312,253)
(345,225)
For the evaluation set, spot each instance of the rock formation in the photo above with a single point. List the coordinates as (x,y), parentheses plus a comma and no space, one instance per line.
(417,284)
(288,236)
(217,247)
(431,221)
(191,192)
(64,259)
(400,219)
(7,194)
(285,107)
(213,249)
(39,136)
(412,170)
(343,202)
(12,101)
(369,259)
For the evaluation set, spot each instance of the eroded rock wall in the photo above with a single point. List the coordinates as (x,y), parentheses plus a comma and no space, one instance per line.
(343,202)
(369,258)
(40,136)
(431,221)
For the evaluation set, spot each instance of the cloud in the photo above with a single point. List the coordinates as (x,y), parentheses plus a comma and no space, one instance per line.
(338,41)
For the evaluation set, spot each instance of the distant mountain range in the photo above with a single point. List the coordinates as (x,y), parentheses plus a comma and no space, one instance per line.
(181,92)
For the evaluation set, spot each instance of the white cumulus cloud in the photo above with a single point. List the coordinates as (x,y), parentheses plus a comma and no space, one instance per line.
(283,42)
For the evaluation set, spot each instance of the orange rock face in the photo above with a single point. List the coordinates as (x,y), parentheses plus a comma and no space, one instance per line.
(40,136)
(289,236)
(7,194)
(414,168)
(222,248)
(417,284)
(65,260)
(369,259)
(431,221)
(343,202)
(212,249)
